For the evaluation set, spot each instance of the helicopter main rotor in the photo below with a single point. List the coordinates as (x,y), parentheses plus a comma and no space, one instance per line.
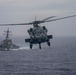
(41,21)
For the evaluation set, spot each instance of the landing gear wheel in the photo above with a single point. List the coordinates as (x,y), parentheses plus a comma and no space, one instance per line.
(48,43)
(31,46)
(39,46)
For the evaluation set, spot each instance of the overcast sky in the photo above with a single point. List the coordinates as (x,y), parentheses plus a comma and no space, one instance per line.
(23,11)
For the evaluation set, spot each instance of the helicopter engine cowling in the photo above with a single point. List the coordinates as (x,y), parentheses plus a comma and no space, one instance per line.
(30,31)
(44,28)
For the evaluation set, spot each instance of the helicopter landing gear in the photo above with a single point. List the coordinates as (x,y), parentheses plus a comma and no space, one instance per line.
(31,45)
(48,43)
(39,45)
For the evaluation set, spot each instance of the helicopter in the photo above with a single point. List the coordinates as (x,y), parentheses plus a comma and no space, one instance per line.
(38,34)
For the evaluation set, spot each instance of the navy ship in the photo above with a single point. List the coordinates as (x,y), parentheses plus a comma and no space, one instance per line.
(7,44)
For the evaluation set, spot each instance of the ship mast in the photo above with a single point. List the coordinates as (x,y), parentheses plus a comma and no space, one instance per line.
(7,33)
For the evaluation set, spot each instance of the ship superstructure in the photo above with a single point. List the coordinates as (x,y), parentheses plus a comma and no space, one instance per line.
(7,44)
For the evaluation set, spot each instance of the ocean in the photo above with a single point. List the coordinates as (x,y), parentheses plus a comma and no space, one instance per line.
(58,59)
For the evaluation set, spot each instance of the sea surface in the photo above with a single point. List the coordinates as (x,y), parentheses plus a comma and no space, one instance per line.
(58,59)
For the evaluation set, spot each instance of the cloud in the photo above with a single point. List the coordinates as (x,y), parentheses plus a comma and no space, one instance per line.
(36,5)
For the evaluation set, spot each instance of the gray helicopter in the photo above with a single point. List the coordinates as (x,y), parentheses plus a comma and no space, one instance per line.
(38,34)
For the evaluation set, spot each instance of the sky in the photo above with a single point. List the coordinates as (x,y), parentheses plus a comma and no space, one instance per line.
(24,11)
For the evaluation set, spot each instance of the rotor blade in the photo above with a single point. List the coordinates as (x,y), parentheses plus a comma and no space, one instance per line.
(48,18)
(60,18)
(16,24)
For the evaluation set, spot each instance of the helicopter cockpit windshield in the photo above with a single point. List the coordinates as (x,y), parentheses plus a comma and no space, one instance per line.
(37,32)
